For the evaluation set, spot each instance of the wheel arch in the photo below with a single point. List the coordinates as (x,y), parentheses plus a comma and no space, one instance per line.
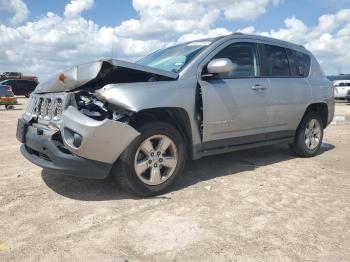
(176,116)
(321,108)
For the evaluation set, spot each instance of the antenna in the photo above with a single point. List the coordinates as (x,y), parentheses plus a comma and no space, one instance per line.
(113,44)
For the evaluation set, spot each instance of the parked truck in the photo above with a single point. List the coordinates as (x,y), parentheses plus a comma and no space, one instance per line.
(16,75)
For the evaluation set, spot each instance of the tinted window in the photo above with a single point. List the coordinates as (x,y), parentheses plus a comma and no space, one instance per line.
(243,57)
(275,61)
(343,84)
(292,63)
(302,62)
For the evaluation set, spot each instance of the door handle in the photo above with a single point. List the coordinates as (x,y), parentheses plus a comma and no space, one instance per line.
(258,87)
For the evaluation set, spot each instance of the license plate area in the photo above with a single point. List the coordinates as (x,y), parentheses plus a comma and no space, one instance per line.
(22,127)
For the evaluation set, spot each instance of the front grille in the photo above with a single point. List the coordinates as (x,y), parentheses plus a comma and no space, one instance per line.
(58,108)
(46,107)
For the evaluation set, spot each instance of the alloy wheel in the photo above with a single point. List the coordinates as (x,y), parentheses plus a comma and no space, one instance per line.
(312,134)
(156,160)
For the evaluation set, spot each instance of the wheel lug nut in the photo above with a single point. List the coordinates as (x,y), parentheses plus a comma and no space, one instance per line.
(158,153)
(160,159)
(152,154)
(150,161)
(155,165)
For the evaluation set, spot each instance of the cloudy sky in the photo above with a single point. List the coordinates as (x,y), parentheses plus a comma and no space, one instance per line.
(43,37)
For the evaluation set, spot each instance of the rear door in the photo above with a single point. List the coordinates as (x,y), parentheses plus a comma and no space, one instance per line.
(289,90)
(17,87)
(3,91)
(235,105)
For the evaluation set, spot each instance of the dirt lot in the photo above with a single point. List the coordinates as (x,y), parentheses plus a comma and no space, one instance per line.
(256,205)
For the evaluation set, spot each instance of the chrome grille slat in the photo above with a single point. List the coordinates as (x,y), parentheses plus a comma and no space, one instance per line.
(47,107)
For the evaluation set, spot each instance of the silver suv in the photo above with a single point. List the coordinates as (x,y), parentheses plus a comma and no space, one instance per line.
(141,121)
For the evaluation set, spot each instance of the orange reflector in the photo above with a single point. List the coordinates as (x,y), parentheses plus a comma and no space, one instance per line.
(62,77)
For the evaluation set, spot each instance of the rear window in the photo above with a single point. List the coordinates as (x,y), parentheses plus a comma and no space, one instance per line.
(343,84)
(302,62)
(275,61)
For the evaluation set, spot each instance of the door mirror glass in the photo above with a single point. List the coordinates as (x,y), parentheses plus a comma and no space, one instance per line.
(220,66)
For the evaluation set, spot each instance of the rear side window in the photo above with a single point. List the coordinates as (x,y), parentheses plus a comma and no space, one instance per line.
(275,61)
(243,57)
(302,62)
(343,84)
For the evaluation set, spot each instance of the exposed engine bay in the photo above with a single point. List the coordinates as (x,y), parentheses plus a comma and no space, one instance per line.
(89,105)
(79,87)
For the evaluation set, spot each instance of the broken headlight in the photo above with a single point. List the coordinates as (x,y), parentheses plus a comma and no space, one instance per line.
(91,106)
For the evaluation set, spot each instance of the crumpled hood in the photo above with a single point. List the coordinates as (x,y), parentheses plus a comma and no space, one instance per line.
(83,74)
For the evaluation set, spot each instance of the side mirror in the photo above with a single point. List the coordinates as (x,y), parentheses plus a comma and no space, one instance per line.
(220,66)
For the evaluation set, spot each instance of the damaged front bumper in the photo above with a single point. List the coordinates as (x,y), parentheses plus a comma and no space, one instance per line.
(78,146)
(41,150)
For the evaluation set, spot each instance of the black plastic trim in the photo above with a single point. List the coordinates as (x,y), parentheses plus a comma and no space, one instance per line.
(245,140)
(44,152)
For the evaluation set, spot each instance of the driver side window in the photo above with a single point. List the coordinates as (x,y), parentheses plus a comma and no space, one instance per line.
(244,58)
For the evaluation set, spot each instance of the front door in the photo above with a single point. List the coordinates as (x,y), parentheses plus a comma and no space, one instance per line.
(235,105)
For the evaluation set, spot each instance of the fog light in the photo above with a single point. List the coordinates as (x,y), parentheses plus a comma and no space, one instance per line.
(77,139)
(72,138)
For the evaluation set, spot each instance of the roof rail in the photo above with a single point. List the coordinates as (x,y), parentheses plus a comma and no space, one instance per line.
(237,33)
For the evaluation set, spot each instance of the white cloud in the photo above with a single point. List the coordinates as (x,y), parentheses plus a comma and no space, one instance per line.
(76,7)
(54,42)
(18,7)
(170,18)
(328,40)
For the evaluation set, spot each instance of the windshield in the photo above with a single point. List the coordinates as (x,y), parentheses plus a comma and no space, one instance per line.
(174,58)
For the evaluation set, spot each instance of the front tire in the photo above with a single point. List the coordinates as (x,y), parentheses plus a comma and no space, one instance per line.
(153,161)
(308,138)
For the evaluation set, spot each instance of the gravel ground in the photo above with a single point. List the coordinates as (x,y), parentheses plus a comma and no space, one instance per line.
(254,205)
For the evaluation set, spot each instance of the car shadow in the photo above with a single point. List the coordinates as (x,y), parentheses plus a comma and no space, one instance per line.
(203,169)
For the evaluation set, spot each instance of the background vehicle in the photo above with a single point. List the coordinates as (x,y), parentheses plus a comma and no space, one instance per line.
(141,121)
(339,77)
(7,97)
(21,87)
(16,75)
(341,88)
(348,96)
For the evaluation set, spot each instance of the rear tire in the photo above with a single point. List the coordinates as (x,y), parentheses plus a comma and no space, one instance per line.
(145,168)
(308,138)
